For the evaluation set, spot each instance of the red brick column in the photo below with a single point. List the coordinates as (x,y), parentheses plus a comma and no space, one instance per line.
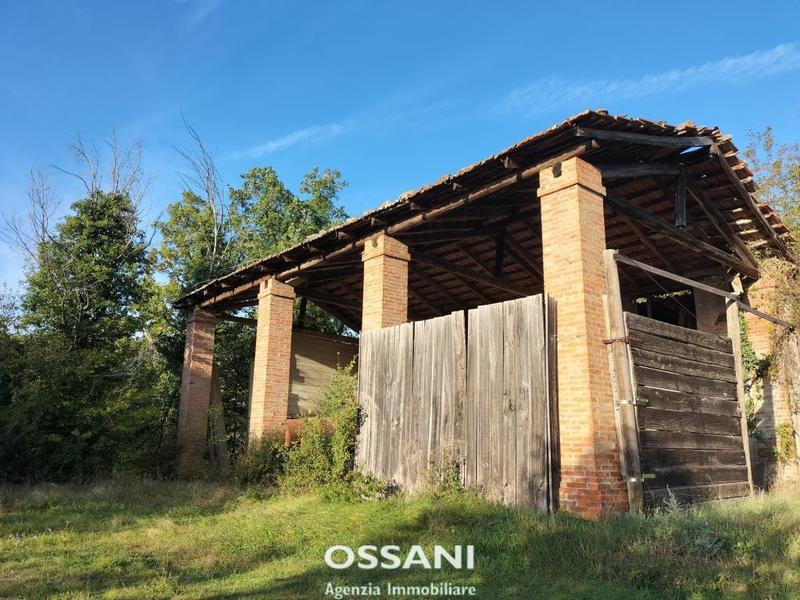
(198,360)
(269,401)
(385,301)
(573,240)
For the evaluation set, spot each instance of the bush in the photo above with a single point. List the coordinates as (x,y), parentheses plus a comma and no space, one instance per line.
(262,463)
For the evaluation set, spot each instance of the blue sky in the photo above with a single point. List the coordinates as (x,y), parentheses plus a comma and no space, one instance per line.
(392,94)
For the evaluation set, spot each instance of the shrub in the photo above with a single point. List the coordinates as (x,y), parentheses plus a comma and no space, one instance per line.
(262,463)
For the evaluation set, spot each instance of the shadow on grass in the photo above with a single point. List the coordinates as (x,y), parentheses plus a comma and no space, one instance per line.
(713,553)
(105,506)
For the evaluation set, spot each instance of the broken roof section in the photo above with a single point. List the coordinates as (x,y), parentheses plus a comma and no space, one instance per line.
(636,150)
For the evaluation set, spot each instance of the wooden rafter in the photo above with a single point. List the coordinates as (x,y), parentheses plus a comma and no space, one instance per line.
(671,141)
(446,265)
(431,282)
(748,199)
(520,256)
(721,224)
(680,236)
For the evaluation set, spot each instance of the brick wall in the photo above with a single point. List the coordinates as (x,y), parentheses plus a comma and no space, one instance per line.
(385,301)
(198,362)
(269,401)
(573,240)
(710,311)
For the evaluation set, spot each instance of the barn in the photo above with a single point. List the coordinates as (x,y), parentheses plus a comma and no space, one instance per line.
(560,321)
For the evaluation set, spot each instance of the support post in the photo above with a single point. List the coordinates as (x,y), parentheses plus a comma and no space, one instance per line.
(385,294)
(573,241)
(269,401)
(195,399)
(734,333)
(624,385)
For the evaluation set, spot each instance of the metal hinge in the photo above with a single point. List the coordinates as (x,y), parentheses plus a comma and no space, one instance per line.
(624,340)
(642,478)
(636,402)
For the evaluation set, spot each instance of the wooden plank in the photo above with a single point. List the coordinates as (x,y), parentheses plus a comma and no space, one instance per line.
(494,394)
(638,323)
(734,333)
(472,441)
(684,383)
(686,402)
(623,386)
(655,419)
(538,437)
(703,493)
(667,457)
(515,378)
(666,141)
(675,364)
(655,343)
(553,439)
(673,439)
(705,475)
(678,235)
(680,199)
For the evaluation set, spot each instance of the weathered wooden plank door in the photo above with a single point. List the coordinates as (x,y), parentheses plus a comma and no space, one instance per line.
(690,434)
(432,394)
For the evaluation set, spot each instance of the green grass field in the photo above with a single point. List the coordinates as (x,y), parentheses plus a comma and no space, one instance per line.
(145,539)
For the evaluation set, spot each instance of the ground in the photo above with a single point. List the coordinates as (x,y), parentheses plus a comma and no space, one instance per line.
(147,539)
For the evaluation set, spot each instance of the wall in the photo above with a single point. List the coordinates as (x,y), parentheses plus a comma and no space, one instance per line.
(314,358)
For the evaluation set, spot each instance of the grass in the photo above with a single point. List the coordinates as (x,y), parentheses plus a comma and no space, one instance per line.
(146,539)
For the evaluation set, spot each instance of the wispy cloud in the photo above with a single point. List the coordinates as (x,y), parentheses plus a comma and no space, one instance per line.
(550,92)
(306,135)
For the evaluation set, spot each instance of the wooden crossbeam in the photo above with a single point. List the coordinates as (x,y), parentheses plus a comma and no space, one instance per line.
(446,265)
(424,216)
(422,300)
(455,302)
(671,141)
(637,231)
(337,312)
(499,254)
(640,170)
(475,259)
(721,223)
(520,256)
(680,198)
(680,236)
(745,195)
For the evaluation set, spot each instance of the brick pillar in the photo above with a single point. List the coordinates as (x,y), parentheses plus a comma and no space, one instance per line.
(710,311)
(385,301)
(198,360)
(573,241)
(269,400)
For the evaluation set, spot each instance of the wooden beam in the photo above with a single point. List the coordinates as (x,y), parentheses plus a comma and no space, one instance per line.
(745,195)
(422,300)
(499,254)
(680,199)
(424,216)
(625,389)
(455,302)
(646,241)
(648,219)
(235,319)
(520,255)
(344,316)
(671,141)
(474,258)
(319,296)
(446,265)
(720,222)
(734,333)
(640,170)
(702,286)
